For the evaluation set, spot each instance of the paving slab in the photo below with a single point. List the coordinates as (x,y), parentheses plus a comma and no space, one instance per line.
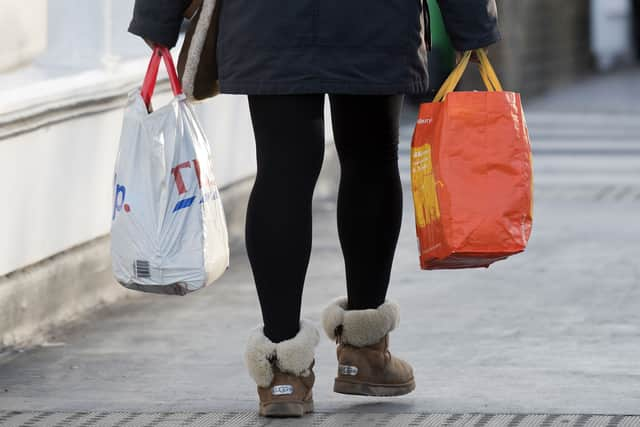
(318,419)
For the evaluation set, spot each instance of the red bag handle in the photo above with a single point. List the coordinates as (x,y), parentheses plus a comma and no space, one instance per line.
(149,83)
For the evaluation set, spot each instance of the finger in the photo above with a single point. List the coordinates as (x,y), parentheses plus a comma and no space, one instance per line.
(474,56)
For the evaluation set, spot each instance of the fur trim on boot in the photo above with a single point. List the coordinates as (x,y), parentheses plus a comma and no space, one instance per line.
(359,327)
(293,356)
(365,365)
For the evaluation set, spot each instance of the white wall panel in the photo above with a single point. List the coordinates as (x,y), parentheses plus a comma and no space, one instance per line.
(23,31)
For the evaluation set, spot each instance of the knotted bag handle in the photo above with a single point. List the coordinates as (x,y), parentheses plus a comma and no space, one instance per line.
(149,83)
(487,73)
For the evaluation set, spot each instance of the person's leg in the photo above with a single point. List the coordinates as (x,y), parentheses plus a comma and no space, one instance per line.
(366,133)
(289,134)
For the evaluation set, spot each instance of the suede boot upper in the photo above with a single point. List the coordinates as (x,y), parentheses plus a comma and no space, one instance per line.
(365,365)
(283,371)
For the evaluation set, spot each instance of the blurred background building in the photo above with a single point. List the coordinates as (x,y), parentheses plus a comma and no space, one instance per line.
(548,43)
(66,67)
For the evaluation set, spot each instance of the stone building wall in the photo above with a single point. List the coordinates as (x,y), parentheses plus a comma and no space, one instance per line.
(545,43)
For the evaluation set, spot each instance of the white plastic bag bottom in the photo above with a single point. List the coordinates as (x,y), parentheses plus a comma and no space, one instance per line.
(168,230)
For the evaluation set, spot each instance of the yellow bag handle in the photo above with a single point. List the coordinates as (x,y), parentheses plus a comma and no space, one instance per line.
(488,74)
(454,78)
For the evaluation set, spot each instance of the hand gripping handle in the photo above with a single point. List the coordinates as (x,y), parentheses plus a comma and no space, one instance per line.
(149,83)
(487,73)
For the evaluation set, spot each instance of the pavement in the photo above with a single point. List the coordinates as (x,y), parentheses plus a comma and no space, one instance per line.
(552,331)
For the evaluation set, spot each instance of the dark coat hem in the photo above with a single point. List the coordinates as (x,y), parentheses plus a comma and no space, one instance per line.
(493,37)
(322,86)
(165,34)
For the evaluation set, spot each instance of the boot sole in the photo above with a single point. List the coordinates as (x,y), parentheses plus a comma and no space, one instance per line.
(286,409)
(367,389)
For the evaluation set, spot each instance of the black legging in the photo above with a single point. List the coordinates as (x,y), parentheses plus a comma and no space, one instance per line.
(289,133)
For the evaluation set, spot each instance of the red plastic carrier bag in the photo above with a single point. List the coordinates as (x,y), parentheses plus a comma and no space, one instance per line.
(471,174)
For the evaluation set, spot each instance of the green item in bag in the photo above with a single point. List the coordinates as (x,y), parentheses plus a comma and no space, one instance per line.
(442,58)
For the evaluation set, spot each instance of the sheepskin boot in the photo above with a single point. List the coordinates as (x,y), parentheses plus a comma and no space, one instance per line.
(365,365)
(283,371)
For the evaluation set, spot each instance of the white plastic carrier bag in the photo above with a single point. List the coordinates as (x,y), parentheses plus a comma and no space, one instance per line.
(168,230)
